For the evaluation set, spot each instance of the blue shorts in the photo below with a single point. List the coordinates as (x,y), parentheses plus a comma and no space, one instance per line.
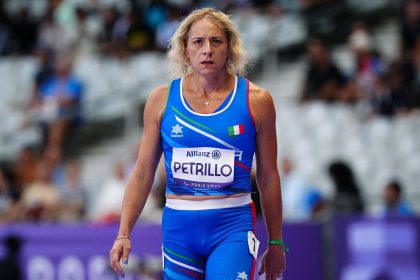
(215,244)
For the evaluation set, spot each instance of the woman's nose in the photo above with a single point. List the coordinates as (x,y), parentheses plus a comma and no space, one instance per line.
(207,50)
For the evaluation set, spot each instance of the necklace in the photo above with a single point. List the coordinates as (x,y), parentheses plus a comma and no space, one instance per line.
(208,101)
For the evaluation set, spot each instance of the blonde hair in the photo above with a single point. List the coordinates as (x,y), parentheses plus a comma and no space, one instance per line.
(237,58)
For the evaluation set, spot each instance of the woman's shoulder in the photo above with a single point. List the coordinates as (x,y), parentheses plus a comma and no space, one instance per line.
(158,94)
(161,91)
(258,95)
(261,104)
(156,101)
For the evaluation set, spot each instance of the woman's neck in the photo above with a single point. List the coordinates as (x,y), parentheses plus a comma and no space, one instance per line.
(210,84)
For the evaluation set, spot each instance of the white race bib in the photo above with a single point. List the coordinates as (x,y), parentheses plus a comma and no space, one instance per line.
(203,167)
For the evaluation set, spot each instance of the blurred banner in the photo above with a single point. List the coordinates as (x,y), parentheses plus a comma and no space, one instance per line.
(373,249)
(78,252)
(362,249)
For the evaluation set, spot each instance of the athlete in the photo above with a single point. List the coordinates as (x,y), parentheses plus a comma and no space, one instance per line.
(208,124)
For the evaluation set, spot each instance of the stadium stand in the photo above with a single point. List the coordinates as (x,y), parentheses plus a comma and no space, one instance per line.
(312,134)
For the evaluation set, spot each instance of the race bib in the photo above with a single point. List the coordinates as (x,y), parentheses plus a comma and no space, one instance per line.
(253,244)
(203,167)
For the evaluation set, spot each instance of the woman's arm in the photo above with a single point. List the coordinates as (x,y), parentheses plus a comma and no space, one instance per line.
(142,176)
(268,178)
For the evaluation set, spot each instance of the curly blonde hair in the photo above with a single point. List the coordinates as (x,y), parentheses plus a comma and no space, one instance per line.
(237,58)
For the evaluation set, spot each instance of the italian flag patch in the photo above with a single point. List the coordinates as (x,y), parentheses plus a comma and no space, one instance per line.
(236,129)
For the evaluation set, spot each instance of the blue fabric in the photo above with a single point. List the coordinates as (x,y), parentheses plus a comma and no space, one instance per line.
(207,244)
(402,209)
(182,127)
(70,88)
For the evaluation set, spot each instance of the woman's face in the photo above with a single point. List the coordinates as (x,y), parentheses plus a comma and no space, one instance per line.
(207,47)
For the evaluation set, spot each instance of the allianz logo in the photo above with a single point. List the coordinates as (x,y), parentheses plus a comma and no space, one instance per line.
(214,154)
(198,154)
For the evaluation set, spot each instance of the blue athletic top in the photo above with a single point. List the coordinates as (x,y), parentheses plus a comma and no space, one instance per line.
(208,154)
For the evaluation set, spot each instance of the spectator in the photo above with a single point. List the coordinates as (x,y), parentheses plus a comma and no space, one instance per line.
(156,13)
(368,63)
(4,30)
(399,88)
(113,32)
(394,205)
(294,191)
(25,167)
(24,30)
(60,104)
(45,68)
(323,80)
(317,206)
(50,35)
(390,93)
(73,195)
(380,99)
(107,208)
(54,159)
(347,198)
(139,35)
(7,199)
(350,94)
(412,76)
(87,28)
(44,72)
(41,199)
(166,29)
(360,39)
(10,264)
(410,26)
(64,13)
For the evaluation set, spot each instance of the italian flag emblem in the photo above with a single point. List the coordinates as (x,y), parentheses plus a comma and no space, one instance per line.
(236,129)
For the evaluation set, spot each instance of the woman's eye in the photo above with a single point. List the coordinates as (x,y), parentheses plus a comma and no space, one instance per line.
(196,42)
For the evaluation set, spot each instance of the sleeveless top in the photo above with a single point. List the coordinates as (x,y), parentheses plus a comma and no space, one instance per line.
(208,154)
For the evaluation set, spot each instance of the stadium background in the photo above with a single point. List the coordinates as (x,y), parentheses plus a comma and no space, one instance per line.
(344,135)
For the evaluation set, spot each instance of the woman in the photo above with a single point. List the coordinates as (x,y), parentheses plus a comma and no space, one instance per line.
(208,124)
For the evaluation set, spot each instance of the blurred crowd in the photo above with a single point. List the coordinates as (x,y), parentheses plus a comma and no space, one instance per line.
(44,184)
(116,28)
(378,86)
(302,201)
(49,188)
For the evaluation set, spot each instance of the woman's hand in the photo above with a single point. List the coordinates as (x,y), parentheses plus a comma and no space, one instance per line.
(273,262)
(119,252)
